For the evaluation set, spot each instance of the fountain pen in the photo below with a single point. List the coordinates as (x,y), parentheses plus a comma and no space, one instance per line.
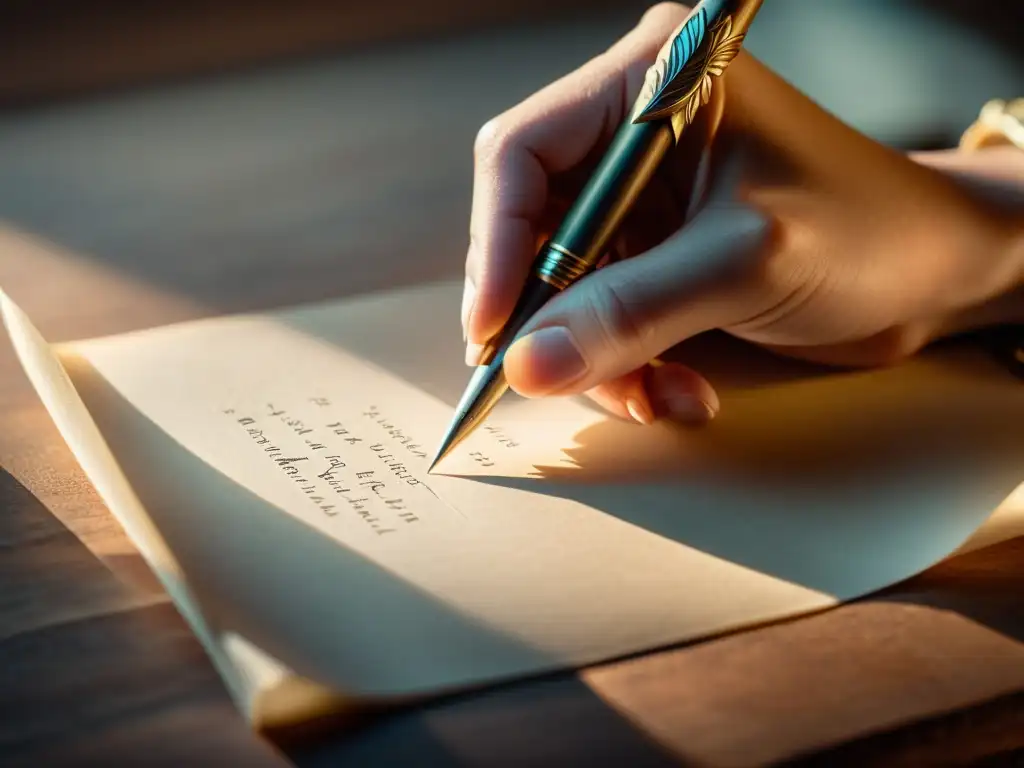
(675,87)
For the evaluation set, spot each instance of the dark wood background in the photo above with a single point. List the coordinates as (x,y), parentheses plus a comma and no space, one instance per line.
(155,195)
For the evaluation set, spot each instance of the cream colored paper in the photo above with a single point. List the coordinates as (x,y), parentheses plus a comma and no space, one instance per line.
(558,537)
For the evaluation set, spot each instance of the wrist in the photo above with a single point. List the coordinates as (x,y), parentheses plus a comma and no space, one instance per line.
(1002,303)
(992,287)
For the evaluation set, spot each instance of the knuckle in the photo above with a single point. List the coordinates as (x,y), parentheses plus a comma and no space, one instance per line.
(765,243)
(491,137)
(614,317)
(663,12)
(759,250)
(648,34)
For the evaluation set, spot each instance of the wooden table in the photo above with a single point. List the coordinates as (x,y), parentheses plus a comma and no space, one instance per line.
(283,186)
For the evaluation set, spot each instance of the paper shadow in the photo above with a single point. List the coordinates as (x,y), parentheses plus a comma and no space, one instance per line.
(797,481)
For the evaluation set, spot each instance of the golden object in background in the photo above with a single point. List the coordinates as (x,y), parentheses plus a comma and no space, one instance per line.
(999,123)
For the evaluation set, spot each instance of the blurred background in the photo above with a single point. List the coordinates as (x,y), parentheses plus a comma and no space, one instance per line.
(157,136)
(907,71)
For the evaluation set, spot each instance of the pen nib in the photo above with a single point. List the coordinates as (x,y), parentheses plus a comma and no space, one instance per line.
(454,436)
(485,387)
(441,453)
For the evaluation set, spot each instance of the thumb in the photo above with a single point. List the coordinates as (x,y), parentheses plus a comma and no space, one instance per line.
(621,317)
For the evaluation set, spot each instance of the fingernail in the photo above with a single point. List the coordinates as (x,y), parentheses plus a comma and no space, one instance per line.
(555,359)
(687,408)
(679,394)
(468,299)
(639,411)
(473,354)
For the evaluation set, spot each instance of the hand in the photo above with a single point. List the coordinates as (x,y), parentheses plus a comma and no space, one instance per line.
(772,220)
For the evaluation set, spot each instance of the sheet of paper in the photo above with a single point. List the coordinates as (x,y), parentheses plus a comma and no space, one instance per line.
(282,458)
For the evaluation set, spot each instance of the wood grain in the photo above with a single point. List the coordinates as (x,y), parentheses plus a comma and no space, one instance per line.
(326,179)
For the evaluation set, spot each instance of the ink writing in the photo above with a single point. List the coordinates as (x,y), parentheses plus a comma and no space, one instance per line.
(345,473)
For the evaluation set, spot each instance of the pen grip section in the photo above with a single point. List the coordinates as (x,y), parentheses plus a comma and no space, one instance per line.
(536,293)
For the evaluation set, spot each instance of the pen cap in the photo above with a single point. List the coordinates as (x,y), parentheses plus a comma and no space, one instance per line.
(698,51)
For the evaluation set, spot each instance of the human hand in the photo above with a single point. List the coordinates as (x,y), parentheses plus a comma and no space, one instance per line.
(772,220)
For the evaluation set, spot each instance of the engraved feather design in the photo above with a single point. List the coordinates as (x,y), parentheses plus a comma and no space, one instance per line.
(681,82)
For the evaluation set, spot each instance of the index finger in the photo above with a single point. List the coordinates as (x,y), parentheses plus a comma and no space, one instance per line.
(516,152)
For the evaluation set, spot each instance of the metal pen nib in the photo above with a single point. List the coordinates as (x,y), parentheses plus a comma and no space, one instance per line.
(488,384)
(482,393)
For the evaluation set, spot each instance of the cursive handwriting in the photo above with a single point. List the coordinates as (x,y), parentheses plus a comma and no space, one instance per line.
(298,448)
(500,437)
(394,432)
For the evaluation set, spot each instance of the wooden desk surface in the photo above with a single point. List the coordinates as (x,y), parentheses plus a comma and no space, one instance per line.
(282,186)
